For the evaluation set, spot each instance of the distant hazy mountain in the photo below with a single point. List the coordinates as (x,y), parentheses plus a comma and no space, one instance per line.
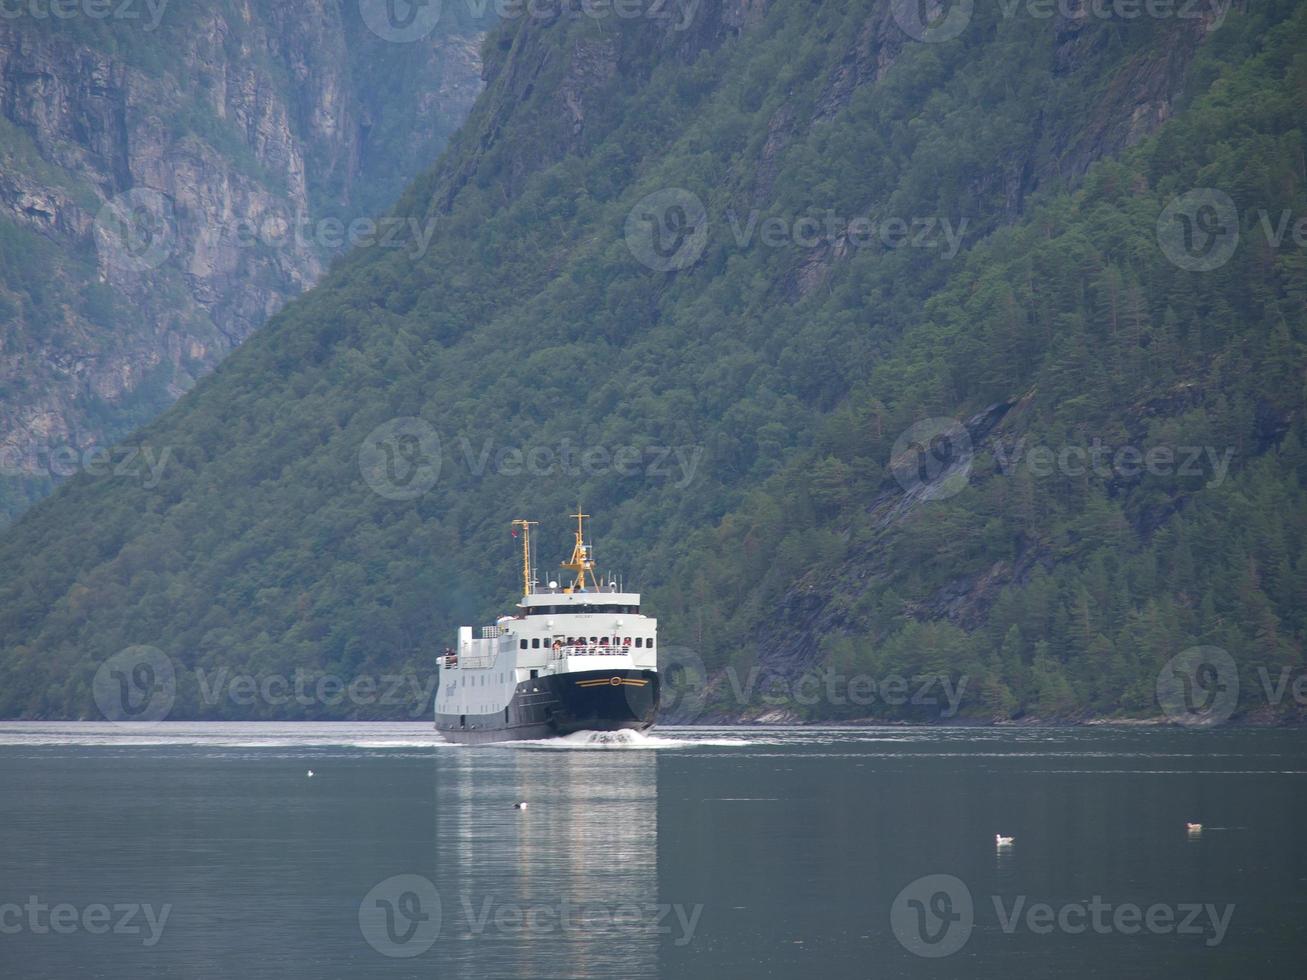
(170,174)
(970,346)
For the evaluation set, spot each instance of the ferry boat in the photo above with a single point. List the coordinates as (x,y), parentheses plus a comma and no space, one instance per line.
(581,657)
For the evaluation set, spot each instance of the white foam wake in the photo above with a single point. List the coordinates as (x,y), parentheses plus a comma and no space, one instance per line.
(625,738)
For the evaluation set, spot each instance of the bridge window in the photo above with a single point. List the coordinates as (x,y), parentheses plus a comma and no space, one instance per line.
(521,644)
(584,609)
(535,643)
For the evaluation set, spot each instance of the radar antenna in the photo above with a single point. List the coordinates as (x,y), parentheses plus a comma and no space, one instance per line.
(581,563)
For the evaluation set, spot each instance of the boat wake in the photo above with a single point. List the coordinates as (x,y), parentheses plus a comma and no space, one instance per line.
(625,738)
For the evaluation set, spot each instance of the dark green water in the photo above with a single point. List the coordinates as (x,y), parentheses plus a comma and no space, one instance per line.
(699,853)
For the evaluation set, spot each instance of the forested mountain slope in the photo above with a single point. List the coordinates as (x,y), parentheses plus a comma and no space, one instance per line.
(971,227)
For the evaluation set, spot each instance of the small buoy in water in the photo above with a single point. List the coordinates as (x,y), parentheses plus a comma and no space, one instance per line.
(519,806)
(1194,828)
(1001,841)
(309,774)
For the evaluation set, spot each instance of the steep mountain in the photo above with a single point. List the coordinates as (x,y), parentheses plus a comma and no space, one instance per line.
(170,175)
(800,300)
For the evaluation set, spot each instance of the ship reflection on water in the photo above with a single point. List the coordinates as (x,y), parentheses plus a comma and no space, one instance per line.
(567,886)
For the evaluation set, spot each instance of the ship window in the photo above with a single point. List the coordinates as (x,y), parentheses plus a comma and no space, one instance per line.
(649,643)
(627,642)
(639,641)
(603,641)
(582,609)
(521,645)
(535,674)
(535,643)
(594,639)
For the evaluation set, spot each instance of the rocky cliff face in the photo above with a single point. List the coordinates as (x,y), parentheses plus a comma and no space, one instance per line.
(165,189)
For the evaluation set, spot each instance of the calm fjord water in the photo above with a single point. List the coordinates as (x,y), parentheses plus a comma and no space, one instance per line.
(695,853)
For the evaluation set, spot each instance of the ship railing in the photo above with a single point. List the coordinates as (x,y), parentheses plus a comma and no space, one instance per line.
(475,663)
(590,650)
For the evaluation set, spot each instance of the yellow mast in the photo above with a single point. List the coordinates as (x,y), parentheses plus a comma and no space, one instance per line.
(526,553)
(581,562)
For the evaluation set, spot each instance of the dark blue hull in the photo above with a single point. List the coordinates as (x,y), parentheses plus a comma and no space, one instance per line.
(560,704)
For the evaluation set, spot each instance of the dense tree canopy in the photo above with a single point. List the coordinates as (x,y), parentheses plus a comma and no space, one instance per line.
(788,370)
